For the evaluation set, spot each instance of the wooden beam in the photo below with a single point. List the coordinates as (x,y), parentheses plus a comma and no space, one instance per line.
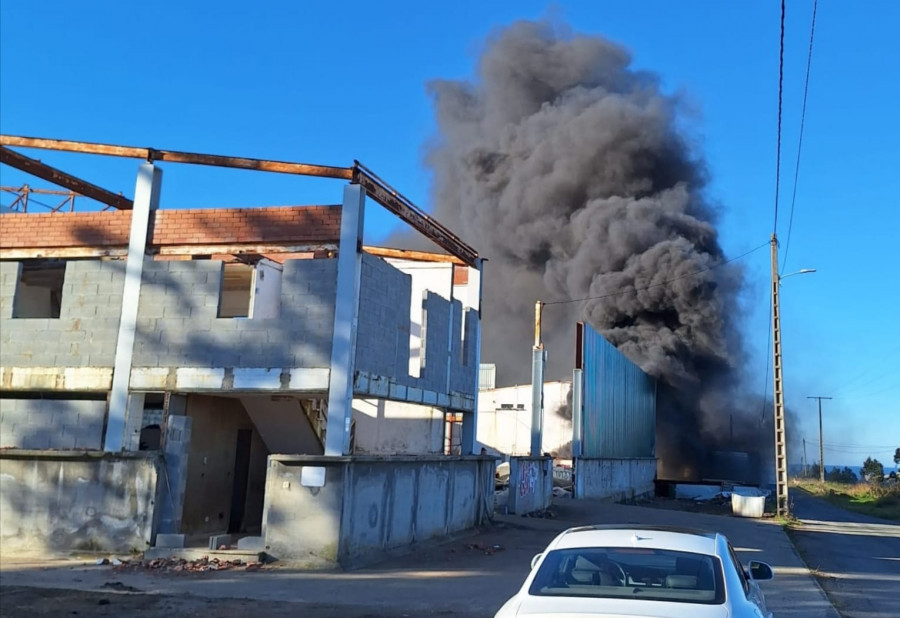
(62,253)
(418,256)
(57,177)
(239,249)
(172,156)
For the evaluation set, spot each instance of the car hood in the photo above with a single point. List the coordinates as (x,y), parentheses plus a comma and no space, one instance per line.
(567,607)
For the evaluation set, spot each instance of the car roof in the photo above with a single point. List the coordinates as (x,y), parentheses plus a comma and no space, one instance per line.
(657,537)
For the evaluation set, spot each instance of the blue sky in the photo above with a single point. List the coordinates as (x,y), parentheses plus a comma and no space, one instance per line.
(329,83)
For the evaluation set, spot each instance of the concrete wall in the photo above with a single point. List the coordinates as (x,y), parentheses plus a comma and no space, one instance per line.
(508,430)
(434,277)
(530,484)
(396,428)
(51,423)
(85,333)
(383,348)
(68,500)
(617,479)
(178,324)
(369,505)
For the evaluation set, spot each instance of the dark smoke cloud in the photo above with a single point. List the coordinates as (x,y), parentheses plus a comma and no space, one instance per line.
(567,169)
(564,410)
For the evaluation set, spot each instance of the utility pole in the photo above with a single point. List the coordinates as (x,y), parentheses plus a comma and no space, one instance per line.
(781,486)
(821,445)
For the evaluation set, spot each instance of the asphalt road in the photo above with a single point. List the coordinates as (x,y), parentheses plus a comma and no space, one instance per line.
(856,557)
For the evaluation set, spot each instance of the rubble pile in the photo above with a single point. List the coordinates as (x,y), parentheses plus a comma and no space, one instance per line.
(179,565)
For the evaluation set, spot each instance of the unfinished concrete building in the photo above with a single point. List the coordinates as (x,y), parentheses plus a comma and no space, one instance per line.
(254,371)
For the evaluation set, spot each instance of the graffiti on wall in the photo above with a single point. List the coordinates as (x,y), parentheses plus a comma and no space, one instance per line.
(528,475)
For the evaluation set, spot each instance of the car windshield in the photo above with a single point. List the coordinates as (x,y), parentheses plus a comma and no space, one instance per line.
(628,572)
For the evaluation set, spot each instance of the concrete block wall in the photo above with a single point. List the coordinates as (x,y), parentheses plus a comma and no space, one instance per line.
(177,324)
(616,479)
(383,334)
(370,505)
(85,333)
(63,500)
(51,423)
(464,378)
(9,277)
(382,340)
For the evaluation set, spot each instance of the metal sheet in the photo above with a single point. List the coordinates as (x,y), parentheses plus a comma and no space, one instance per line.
(619,413)
(487,376)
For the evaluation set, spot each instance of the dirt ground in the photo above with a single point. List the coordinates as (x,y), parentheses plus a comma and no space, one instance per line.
(489,563)
(18,602)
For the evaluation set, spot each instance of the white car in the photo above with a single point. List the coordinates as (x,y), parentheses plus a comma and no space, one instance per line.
(643,571)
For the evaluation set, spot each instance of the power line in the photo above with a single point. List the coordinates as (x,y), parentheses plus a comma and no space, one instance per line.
(884,390)
(780,100)
(655,285)
(867,383)
(812,34)
(845,385)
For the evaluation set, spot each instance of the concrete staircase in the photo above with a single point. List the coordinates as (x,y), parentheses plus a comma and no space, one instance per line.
(287,425)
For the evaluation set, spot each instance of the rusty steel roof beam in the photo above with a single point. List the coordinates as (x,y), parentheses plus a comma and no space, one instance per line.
(385,195)
(172,156)
(374,186)
(57,177)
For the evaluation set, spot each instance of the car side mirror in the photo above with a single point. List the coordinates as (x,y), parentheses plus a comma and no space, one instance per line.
(760,571)
(534,560)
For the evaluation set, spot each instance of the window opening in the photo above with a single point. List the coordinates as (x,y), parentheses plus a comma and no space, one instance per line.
(236,290)
(250,290)
(39,289)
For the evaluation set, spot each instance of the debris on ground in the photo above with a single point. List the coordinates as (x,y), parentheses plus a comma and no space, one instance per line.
(488,550)
(545,514)
(181,565)
(120,587)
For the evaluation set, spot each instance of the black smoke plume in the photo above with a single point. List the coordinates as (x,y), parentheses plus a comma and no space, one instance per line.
(569,171)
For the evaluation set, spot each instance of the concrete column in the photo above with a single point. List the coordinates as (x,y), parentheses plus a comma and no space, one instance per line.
(470,421)
(538,358)
(346,319)
(146,199)
(173,474)
(134,417)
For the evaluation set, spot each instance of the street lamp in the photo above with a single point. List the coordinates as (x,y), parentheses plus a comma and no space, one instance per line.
(802,271)
(781,489)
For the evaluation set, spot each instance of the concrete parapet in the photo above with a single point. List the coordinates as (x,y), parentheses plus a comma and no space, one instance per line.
(53,501)
(617,479)
(362,507)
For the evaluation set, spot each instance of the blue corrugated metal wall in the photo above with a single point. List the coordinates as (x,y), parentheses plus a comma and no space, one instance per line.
(619,402)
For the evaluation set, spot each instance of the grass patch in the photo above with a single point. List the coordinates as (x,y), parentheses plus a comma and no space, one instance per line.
(868,498)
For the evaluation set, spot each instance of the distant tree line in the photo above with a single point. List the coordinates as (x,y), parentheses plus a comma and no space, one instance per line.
(872,472)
